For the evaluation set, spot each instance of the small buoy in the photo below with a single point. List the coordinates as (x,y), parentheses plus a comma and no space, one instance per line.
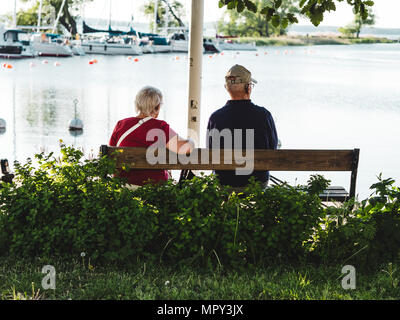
(256,54)
(221,53)
(129,58)
(45,62)
(7,66)
(57,64)
(136,60)
(75,124)
(2,126)
(210,57)
(95,61)
(91,62)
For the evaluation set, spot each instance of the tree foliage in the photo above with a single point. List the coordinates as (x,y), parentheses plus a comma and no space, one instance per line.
(50,9)
(175,9)
(250,23)
(354,28)
(313,9)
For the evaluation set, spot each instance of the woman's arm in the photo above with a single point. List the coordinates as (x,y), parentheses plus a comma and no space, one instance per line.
(180,146)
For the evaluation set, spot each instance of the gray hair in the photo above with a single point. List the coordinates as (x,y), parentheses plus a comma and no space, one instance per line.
(236,88)
(147,99)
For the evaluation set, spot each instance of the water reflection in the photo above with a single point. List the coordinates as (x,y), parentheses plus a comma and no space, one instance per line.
(321,101)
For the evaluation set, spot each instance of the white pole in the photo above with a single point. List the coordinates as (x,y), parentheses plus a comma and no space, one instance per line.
(155,15)
(15,14)
(39,15)
(58,16)
(109,22)
(195,69)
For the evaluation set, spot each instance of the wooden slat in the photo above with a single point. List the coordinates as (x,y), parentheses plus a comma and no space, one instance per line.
(274,160)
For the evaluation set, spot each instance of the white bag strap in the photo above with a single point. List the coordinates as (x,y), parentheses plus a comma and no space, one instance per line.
(137,125)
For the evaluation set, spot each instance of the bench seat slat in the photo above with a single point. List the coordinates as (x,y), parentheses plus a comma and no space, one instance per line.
(274,160)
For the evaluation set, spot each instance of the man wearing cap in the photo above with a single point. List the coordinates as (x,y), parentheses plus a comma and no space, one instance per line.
(241,113)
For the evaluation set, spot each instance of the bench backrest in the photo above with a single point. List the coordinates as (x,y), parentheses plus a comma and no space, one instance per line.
(220,159)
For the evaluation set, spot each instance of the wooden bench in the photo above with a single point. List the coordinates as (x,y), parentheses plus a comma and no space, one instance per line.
(273,160)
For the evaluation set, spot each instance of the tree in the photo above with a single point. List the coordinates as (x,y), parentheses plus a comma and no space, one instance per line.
(249,23)
(50,9)
(354,28)
(175,9)
(313,9)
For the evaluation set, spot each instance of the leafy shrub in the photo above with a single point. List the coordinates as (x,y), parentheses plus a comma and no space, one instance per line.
(68,205)
(367,236)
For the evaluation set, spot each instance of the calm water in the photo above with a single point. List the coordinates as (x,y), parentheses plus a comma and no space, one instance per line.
(322,97)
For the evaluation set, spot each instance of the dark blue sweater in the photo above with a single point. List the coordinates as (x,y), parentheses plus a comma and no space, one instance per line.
(243,114)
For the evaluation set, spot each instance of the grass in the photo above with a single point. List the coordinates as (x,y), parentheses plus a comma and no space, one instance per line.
(312,40)
(78,280)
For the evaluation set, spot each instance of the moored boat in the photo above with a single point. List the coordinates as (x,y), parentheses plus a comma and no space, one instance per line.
(50,45)
(12,47)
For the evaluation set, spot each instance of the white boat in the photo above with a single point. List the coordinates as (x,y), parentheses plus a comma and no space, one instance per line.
(12,47)
(50,45)
(179,42)
(227,44)
(76,47)
(111,46)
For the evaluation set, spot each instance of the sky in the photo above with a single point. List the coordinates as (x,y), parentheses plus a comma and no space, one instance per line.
(386,12)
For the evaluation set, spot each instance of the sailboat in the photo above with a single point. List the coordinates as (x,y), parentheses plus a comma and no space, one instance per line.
(49,44)
(113,42)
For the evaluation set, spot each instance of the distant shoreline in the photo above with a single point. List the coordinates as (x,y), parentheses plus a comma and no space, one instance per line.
(300,40)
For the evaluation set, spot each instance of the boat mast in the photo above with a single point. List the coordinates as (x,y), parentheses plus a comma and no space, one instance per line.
(155,15)
(39,15)
(109,20)
(15,14)
(58,16)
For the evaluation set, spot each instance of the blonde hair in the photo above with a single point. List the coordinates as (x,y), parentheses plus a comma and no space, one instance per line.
(147,99)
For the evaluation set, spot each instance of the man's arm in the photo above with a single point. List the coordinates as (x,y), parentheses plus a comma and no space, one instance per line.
(272,134)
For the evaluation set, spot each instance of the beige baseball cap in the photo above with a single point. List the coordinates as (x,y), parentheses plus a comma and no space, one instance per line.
(239,74)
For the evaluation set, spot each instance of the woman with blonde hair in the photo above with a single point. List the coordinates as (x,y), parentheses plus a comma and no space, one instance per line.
(133,132)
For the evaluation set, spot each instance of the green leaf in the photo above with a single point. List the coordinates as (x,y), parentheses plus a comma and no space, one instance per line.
(250,6)
(284,23)
(278,3)
(276,20)
(302,2)
(240,6)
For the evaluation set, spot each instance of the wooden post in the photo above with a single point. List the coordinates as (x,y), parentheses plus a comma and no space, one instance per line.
(195,69)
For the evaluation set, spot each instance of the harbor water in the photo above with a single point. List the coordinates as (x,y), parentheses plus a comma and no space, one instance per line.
(321,97)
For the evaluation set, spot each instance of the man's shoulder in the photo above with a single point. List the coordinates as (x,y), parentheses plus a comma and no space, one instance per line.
(261,109)
(219,112)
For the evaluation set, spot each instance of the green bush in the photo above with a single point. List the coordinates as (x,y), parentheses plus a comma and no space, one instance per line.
(67,205)
(366,236)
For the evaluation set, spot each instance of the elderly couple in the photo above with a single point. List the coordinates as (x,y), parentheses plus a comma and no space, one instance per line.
(238,113)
